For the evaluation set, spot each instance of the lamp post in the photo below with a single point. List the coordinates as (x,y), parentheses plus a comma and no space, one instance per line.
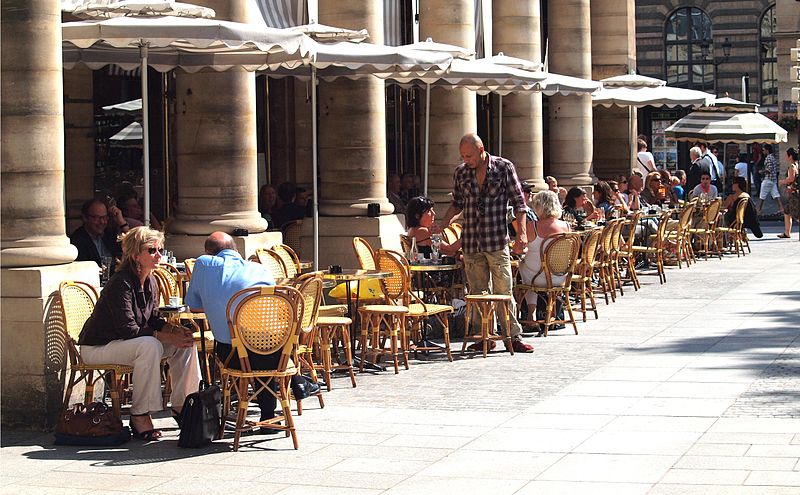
(705,46)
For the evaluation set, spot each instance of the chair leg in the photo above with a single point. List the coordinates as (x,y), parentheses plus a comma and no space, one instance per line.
(348,356)
(569,310)
(287,411)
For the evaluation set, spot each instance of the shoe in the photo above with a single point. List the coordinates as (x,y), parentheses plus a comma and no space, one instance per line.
(152,435)
(529,331)
(305,388)
(478,346)
(520,346)
(782,236)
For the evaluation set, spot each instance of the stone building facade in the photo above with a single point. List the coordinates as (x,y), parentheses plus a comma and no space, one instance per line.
(211,135)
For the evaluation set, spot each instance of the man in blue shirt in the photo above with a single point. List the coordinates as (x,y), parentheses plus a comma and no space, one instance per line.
(216,277)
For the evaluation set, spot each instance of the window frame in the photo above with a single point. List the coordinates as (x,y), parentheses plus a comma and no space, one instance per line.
(693,49)
(764,60)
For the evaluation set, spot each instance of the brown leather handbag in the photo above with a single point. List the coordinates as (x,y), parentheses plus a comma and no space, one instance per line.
(95,424)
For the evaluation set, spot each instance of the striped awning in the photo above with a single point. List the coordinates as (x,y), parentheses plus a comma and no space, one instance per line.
(717,126)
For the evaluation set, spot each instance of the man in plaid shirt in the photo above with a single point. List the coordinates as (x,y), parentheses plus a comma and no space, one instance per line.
(483,187)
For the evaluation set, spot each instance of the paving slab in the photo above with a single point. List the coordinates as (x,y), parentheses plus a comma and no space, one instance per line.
(690,387)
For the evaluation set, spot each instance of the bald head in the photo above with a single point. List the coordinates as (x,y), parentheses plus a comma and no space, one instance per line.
(219,241)
(472,151)
(472,139)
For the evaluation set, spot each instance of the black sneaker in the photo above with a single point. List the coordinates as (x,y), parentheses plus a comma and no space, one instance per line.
(304,388)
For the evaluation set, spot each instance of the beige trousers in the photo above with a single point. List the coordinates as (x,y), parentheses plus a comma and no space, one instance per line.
(144,354)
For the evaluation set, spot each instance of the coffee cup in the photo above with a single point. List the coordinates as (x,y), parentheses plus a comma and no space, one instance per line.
(174,301)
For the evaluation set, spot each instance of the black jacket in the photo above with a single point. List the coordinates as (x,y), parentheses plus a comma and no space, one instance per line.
(125,310)
(86,248)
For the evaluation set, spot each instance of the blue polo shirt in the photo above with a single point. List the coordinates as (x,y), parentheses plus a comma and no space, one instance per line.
(215,279)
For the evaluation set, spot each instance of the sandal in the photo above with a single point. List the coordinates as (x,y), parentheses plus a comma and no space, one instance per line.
(783,236)
(152,435)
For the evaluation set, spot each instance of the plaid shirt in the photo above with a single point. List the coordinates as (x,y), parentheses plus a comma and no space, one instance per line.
(772,168)
(485,208)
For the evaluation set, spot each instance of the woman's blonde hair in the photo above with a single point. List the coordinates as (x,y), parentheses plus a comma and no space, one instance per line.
(547,203)
(134,241)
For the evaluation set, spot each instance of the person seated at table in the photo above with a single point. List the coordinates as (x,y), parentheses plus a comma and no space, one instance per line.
(419,218)
(552,184)
(618,199)
(655,194)
(680,189)
(548,211)
(578,206)
(267,203)
(666,183)
(603,198)
(125,328)
(287,210)
(96,239)
(739,193)
(216,277)
(133,211)
(706,191)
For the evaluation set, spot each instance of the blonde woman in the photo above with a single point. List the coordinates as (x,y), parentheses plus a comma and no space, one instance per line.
(125,328)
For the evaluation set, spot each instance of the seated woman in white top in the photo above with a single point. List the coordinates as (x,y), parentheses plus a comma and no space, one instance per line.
(548,211)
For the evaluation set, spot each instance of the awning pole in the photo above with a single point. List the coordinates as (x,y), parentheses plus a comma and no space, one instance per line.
(427,138)
(500,128)
(145,134)
(314,164)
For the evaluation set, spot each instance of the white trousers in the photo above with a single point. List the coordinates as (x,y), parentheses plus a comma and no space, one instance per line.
(144,354)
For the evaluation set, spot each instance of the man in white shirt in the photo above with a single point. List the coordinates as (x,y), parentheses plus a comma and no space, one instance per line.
(740,170)
(645,159)
(717,172)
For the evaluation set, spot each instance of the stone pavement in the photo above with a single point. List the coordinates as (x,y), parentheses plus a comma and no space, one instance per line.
(690,387)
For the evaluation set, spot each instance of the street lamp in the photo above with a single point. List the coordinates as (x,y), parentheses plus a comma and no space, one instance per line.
(705,46)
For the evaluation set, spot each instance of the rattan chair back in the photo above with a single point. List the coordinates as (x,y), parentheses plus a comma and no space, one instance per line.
(188,264)
(291,232)
(364,253)
(685,219)
(405,243)
(741,208)
(711,212)
(589,251)
(289,258)
(272,261)
(77,301)
(396,287)
(616,234)
(264,320)
(457,229)
(559,257)
(171,278)
(632,222)
(310,286)
(449,235)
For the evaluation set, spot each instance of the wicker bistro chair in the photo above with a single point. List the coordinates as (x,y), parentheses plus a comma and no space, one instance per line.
(290,259)
(706,231)
(264,321)
(364,253)
(449,235)
(272,261)
(291,232)
(419,312)
(77,301)
(188,264)
(735,233)
(559,259)
(169,280)
(680,238)
(616,247)
(656,247)
(605,270)
(310,286)
(584,270)
(626,252)
(386,322)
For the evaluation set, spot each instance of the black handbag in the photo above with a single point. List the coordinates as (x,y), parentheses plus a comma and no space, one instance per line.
(201,416)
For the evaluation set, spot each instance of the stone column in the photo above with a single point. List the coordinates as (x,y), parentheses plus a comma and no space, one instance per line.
(516,33)
(570,53)
(216,147)
(613,54)
(36,253)
(33,232)
(79,156)
(453,112)
(352,124)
